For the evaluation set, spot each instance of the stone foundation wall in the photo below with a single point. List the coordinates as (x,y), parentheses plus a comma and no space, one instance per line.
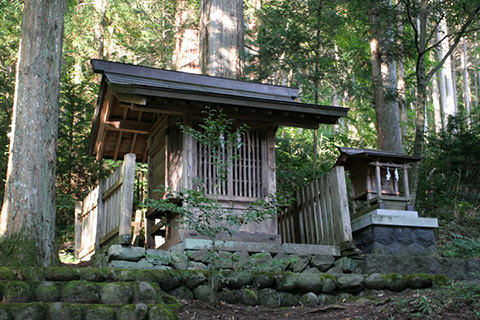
(114,291)
(118,256)
(395,240)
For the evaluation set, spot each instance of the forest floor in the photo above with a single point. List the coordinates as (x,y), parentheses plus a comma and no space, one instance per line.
(457,301)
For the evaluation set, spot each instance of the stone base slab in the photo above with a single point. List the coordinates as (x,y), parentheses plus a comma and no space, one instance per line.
(384,217)
(289,248)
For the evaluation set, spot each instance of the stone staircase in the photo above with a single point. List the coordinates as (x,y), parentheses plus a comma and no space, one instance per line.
(84,293)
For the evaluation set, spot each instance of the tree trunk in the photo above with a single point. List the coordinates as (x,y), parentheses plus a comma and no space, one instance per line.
(466,81)
(28,212)
(436,104)
(384,70)
(187,52)
(221,37)
(449,108)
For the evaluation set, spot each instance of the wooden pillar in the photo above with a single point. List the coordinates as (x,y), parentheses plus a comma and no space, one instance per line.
(78,227)
(128,172)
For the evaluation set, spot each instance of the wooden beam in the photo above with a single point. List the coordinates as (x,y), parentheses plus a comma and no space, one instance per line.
(139,119)
(105,113)
(129,126)
(120,135)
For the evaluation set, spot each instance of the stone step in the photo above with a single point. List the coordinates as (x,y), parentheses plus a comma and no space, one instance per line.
(73,311)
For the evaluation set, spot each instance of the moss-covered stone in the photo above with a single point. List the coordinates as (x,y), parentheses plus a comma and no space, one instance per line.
(375,281)
(440,280)
(263,280)
(28,311)
(17,291)
(419,280)
(182,292)
(60,310)
(116,293)
(123,275)
(248,297)
(395,282)
(169,279)
(350,282)
(62,274)
(205,293)
(4,314)
(288,299)
(81,291)
(145,292)
(170,302)
(7,274)
(329,285)
(47,291)
(309,299)
(326,299)
(31,274)
(269,298)
(159,312)
(228,296)
(309,282)
(192,279)
(95,274)
(286,281)
(345,297)
(237,279)
(137,311)
(99,312)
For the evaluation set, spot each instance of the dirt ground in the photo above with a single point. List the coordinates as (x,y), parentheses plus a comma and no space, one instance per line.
(410,304)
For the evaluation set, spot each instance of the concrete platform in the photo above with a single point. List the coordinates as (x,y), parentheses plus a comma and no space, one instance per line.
(399,218)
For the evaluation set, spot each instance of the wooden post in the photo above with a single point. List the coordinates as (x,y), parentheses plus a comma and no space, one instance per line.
(343,215)
(100,216)
(378,181)
(78,227)
(126,207)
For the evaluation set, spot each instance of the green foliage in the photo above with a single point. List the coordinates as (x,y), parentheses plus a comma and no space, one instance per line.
(449,186)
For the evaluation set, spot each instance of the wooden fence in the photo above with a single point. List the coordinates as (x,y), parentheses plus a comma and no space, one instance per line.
(321,214)
(106,211)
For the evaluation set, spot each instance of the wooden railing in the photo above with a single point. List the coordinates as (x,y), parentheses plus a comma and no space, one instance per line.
(321,214)
(106,211)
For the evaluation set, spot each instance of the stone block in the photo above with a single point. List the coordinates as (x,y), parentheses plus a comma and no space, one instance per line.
(205,293)
(193,279)
(329,285)
(247,297)
(288,299)
(263,280)
(309,282)
(158,257)
(47,291)
(322,262)
(81,291)
(118,252)
(137,311)
(116,293)
(286,281)
(60,310)
(121,264)
(182,292)
(375,281)
(309,299)
(269,298)
(346,264)
(100,313)
(300,263)
(227,295)
(237,279)
(350,282)
(17,292)
(145,292)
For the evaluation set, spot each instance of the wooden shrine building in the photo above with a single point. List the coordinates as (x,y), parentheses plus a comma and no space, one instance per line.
(138,111)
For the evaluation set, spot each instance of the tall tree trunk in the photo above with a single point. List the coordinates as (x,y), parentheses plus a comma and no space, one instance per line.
(28,212)
(436,104)
(449,109)
(101,7)
(466,81)
(401,86)
(384,69)
(187,52)
(221,37)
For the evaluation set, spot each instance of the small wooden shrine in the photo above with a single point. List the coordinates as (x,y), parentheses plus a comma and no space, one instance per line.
(138,111)
(374,170)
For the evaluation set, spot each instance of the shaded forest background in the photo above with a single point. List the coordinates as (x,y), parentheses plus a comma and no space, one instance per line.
(322,47)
